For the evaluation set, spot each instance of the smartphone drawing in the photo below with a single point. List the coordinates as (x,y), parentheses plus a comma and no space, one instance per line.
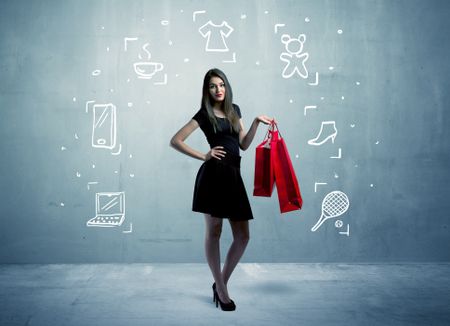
(104,126)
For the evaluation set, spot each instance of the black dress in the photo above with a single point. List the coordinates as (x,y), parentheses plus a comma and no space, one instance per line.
(219,189)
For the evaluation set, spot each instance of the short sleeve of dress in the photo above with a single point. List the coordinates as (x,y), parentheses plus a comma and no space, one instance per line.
(200,117)
(205,29)
(238,110)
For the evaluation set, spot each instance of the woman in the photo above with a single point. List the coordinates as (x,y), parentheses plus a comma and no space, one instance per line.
(219,191)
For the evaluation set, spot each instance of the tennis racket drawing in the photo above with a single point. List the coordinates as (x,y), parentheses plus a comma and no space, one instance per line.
(334,204)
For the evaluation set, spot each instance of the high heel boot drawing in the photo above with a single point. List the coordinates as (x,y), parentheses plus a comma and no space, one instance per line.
(224,306)
(327,130)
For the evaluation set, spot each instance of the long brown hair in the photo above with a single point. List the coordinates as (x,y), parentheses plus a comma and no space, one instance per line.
(227,104)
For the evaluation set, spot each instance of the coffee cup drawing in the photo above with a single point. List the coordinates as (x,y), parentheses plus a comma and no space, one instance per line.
(146,70)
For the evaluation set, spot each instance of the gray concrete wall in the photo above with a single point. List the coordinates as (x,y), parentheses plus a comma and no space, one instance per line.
(382,70)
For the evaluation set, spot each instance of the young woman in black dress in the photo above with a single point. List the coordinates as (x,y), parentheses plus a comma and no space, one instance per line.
(219,191)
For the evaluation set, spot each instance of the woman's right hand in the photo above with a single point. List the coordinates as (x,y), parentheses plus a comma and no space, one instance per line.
(216,152)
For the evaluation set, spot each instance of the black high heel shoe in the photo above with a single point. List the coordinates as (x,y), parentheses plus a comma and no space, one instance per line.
(224,306)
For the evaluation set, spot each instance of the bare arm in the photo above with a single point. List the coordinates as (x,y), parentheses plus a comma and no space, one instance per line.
(178,143)
(246,138)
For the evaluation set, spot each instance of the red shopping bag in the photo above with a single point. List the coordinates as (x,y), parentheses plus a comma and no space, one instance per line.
(273,163)
(288,189)
(264,177)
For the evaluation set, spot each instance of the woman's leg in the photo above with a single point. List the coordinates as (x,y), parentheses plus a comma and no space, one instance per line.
(241,236)
(212,251)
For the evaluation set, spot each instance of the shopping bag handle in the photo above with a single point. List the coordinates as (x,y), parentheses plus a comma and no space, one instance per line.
(268,129)
(272,126)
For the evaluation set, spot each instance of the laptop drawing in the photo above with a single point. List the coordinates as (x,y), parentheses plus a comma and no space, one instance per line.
(109,209)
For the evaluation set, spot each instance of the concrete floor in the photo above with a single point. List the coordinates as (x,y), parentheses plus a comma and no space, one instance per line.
(265,294)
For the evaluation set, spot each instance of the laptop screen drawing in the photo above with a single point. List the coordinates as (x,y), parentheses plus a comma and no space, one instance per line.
(109,203)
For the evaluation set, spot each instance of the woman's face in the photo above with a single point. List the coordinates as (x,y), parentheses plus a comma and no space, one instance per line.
(217,89)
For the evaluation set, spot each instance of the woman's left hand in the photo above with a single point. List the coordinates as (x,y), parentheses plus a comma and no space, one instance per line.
(264,119)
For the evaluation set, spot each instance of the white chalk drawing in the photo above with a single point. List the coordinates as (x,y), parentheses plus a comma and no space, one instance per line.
(198,12)
(327,131)
(347,233)
(126,40)
(164,22)
(339,224)
(334,204)
(233,60)
(146,69)
(316,82)
(164,82)
(104,126)
(319,184)
(118,151)
(294,57)
(109,209)
(339,156)
(309,107)
(276,26)
(88,105)
(130,230)
(215,36)
(96,72)
(89,184)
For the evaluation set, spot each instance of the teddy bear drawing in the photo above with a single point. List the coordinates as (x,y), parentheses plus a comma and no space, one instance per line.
(293,57)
